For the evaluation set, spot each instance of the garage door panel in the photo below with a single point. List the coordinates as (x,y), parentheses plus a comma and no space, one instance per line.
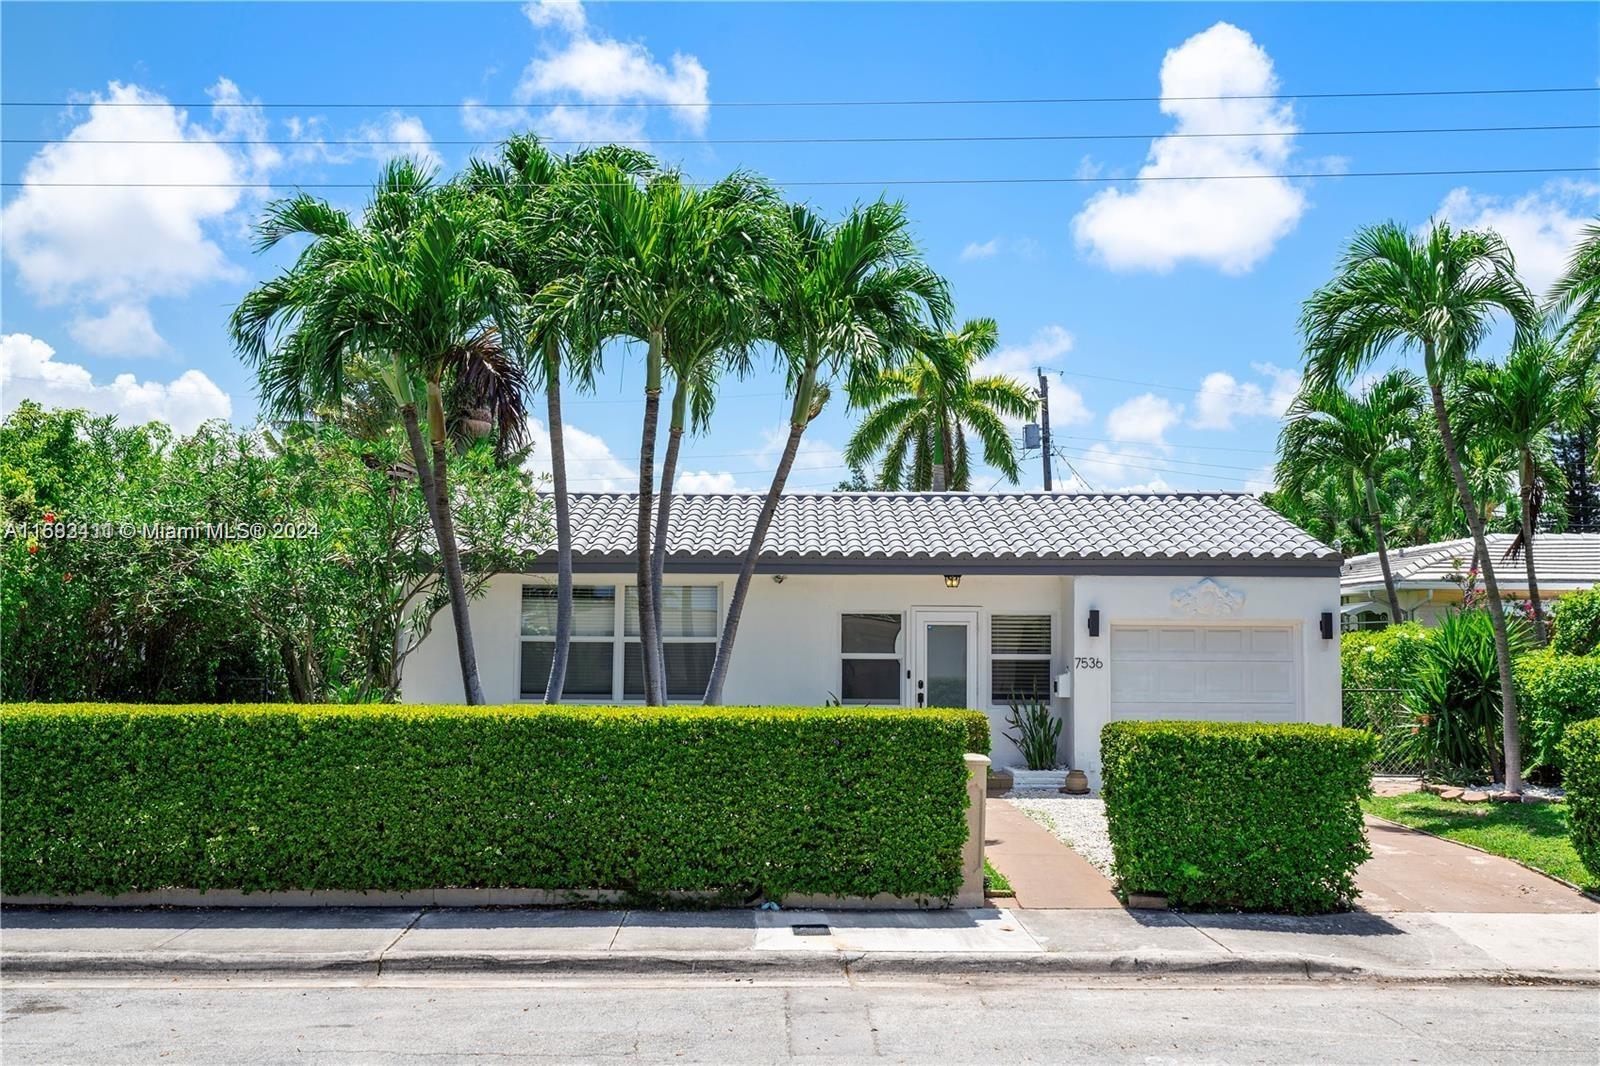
(1215,672)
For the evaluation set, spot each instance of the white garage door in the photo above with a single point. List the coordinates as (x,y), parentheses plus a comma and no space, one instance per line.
(1224,673)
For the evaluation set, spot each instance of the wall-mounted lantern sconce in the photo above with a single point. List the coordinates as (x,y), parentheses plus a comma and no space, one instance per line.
(1327,625)
(952,581)
(1094,622)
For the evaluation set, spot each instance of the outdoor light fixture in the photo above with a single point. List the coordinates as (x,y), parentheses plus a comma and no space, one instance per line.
(952,581)
(1327,625)
(1094,622)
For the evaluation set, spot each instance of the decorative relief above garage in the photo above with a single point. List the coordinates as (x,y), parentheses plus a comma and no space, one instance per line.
(1207,599)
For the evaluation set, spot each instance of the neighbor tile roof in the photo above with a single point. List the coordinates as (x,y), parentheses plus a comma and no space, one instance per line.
(1561,560)
(1020,530)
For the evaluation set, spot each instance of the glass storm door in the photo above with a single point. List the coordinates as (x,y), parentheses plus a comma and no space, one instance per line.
(945,672)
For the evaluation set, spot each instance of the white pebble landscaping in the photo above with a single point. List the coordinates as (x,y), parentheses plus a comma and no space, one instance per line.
(1077,821)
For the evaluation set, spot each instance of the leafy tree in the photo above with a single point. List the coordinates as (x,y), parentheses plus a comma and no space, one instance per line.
(919,414)
(1512,410)
(1435,293)
(847,299)
(1331,434)
(411,290)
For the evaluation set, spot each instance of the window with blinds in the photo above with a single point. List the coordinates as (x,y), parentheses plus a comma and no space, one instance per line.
(604,661)
(689,633)
(1019,658)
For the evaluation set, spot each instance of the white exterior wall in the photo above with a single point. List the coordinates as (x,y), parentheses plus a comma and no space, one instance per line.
(788,645)
(1293,601)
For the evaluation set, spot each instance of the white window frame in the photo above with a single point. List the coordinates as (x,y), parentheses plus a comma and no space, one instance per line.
(619,639)
(898,656)
(1048,657)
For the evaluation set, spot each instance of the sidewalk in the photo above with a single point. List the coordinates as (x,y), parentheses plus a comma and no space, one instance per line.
(1416,947)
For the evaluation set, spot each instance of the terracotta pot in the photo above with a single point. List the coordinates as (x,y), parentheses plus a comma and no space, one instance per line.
(1077,783)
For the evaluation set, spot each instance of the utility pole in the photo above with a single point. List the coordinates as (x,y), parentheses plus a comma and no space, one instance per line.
(1044,427)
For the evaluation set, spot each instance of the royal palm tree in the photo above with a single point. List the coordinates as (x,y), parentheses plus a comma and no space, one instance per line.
(1514,410)
(849,298)
(637,251)
(919,414)
(1329,431)
(410,290)
(1435,294)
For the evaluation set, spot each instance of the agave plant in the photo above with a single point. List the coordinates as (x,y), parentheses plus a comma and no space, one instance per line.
(1455,698)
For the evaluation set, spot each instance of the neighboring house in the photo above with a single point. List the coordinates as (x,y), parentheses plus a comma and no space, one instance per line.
(1176,605)
(1433,578)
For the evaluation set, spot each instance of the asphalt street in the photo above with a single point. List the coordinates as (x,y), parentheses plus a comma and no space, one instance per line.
(438,1019)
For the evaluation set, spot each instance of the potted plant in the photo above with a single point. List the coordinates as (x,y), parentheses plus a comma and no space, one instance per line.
(1037,734)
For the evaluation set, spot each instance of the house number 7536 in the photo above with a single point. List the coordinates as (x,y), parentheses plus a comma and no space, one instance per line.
(1087,662)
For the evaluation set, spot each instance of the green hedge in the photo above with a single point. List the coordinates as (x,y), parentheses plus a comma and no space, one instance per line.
(1237,816)
(742,802)
(1553,692)
(1580,761)
(1576,618)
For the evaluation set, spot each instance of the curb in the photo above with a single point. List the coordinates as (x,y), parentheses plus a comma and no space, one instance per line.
(770,963)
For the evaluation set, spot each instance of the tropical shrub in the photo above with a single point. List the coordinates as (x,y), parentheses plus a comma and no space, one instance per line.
(1376,668)
(1237,815)
(1037,734)
(1580,764)
(1455,699)
(1576,618)
(740,802)
(1553,692)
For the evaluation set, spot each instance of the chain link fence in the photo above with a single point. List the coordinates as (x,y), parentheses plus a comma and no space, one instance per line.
(1386,712)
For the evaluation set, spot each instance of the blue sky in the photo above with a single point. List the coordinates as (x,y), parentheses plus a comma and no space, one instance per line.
(1165,312)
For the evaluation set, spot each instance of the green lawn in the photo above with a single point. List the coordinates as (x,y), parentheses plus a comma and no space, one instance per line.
(1531,833)
(994,880)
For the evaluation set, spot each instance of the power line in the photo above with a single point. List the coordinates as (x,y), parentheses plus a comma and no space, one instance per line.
(914,102)
(368,142)
(845,182)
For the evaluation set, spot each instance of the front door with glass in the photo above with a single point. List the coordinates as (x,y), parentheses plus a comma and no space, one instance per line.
(945,658)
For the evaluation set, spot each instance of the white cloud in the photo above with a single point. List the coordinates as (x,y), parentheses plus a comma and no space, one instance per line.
(124,329)
(578,68)
(1104,468)
(1143,419)
(591,466)
(1044,349)
(707,481)
(29,370)
(1542,226)
(1231,225)
(1223,398)
(92,225)
(392,134)
(986,250)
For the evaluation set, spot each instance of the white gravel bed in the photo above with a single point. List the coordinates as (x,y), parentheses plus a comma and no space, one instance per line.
(1077,821)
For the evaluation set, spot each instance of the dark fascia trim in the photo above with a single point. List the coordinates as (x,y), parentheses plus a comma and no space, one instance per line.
(1231,567)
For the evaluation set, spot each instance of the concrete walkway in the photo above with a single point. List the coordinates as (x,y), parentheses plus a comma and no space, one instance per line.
(1414,871)
(389,941)
(1044,872)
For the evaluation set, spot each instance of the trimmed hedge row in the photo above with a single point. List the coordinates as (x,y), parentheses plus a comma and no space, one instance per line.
(742,802)
(1554,692)
(1580,759)
(1237,816)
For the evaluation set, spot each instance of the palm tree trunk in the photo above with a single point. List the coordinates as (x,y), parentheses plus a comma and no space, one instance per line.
(558,484)
(1395,617)
(798,421)
(1510,739)
(939,476)
(1540,632)
(648,645)
(658,555)
(433,495)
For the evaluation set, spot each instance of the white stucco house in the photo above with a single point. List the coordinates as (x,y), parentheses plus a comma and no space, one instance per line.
(1109,605)
(1431,579)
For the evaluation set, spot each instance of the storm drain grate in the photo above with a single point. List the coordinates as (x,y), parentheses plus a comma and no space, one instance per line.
(811,930)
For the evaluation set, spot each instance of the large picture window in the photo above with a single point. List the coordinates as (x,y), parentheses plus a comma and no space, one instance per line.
(1019,658)
(604,658)
(870,658)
